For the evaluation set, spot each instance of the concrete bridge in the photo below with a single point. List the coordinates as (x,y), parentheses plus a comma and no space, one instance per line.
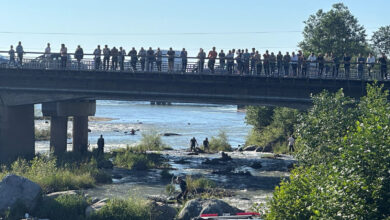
(65,93)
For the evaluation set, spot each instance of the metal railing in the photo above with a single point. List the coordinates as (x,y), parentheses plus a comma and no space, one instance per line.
(328,70)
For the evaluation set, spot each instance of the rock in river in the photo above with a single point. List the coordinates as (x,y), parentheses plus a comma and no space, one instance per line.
(196,207)
(15,189)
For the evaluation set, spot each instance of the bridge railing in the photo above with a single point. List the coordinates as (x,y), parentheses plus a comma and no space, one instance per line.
(37,60)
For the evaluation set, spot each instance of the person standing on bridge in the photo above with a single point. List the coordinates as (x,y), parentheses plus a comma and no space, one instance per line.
(312,60)
(183,56)
(114,58)
(142,56)
(272,63)
(11,53)
(201,56)
(79,55)
(100,144)
(370,63)
(171,59)
(222,57)
(97,54)
(321,64)
(246,58)
(20,52)
(212,56)
(266,63)
(347,65)
(106,57)
(383,62)
(294,63)
(133,58)
(279,62)
(158,59)
(257,60)
(48,55)
(149,59)
(336,65)
(286,63)
(360,65)
(230,61)
(122,54)
(64,56)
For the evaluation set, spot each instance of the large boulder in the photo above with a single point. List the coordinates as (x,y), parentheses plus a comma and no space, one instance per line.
(196,207)
(250,148)
(95,207)
(161,211)
(18,190)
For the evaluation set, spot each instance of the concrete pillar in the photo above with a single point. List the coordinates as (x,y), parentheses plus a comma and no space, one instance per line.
(17,132)
(58,134)
(80,133)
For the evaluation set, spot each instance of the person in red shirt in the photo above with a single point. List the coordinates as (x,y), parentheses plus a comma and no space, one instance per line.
(212,56)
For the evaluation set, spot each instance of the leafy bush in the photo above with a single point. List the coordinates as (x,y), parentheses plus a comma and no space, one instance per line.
(63,207)
(116,209)
(138,161)
(348,178)
(220,143)
(150,141)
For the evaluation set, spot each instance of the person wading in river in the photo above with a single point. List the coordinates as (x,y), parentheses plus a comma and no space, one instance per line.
(193,144)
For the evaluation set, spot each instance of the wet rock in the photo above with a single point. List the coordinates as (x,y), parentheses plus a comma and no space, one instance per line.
(15,189)
(250,148)
(95,207)
(193,153)
(259,149)
(161,211)
(225,157)
(211,162)
(170,134)
(256,165)
(105,164)
(268,148)
(57,194)
(196,207)
(181,161)
(117,176)
(240,149)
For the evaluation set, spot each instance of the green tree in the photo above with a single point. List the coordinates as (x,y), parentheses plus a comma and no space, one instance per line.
(336,31)
(259,116)
(381,39)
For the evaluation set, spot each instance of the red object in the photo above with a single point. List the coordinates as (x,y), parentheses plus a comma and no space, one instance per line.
(248,213)
(208,215)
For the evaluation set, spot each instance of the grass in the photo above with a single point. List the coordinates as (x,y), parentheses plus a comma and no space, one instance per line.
(55,175)
(118,209)
(220,143)
(127,158)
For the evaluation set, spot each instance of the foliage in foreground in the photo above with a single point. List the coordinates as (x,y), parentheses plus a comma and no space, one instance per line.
(117,209)
(220,143)
(53,175)
(348,175)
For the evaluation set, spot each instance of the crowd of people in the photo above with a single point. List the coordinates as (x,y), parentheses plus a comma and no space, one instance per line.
(241,61)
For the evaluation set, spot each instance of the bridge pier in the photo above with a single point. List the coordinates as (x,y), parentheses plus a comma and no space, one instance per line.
(17,132)
(59,112)
(58,134)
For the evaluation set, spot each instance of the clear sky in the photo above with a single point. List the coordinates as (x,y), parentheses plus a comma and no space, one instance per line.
(264,24)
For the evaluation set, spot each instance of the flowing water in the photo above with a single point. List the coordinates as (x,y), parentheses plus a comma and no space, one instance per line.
(115,119)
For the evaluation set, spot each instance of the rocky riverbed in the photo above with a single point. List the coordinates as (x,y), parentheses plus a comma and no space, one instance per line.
(249,176)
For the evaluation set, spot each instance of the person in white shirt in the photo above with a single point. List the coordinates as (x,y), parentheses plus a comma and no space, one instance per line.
(312,59)
(370,63)
(64,56)
(48,55)
(291,142)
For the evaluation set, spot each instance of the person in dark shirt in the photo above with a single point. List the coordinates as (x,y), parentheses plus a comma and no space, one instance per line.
(106,57)
(142,58)
(149,59)
(97,54)
(347,65)
(212,56)
(193,144)
(304,66)
(183,188)
(201,57)
(122,54)
(114,58)
(239,61)
(206,145)
(321,64)
(286,64)
(183,56)
(279,62)
(266,63)
(222,60)
(100,144)
(360,65)
(133,58)
(257,60)
(171,59)
(336,65)
(272,63)
(158,59)
(299,67)
(79,54)
(253,61)
(230,61)
(383,62)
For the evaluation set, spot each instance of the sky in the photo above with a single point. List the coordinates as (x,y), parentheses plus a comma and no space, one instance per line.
(263,24)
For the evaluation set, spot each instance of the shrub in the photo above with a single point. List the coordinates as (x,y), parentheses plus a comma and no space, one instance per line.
(63,207)
(150,141)
(220,143)
(137,161)
(117,209)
